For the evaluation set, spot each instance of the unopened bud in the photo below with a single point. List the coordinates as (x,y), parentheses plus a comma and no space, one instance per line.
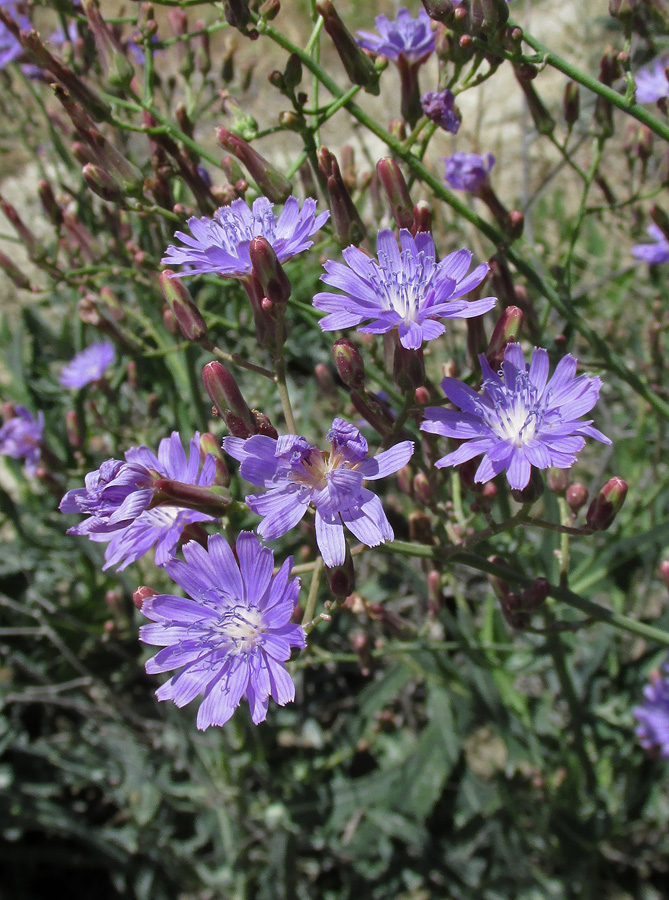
(558,481)
(212,501)
(408,368)
(341,579)
(324,380)
(571,103)
(101,183)
(576,496)
(141,594)
(606,505)
(396,190)
(359,67)
(13,272)
(505,332)
(115,65)
(349,363)
(422,489)
(271,182)
(49,203)
(211,445)
(263,424)
(225,394)
(543,120)
(422,218)
(269,271)
(533,596)
(74,436)
(532,490)
(292,74)
(439,10)
(515,224)
(177,295)
(420,528)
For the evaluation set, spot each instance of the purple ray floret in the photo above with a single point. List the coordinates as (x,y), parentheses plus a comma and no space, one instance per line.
(117,497)
(440,107)
(520,419)
(87,366)
(221,244)
(654,254)
(232,639)
(468,171)
(406,289)
(652,83)
(295,474)
(404,36)
(653,714)
(21,437)
(10,47)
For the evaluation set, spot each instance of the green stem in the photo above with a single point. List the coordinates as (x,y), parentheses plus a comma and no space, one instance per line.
(280,377)
(588,607)
(313,592)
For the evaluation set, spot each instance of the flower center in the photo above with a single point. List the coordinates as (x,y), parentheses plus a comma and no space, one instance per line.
(240,627)
(233,230)
(403,290)
(516,414)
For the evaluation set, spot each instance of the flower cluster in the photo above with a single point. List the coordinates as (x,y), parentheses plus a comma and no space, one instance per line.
(654,254)
(117,498)
(468,171)
(404,37)
(297,474)
(406,289)
(520,419)
(439,106)
(652,83)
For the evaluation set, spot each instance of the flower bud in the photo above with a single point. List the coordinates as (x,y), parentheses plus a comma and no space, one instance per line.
(606,505)
(324,380)
(505,332)
(271,182)
(349,363)
(341,579)
(420,528)
(101,183)
(141,594)
(210,444)
(263,424)
(532,490)
(209,500)
(269,271)
(348,172)
(74,435)
(404,482)
(191,323)
(13,272)
(408,368)
(225,394)
(571,103)
(33,248)
(202,49)
(49,203)
(359,67)
(543,120)
(422,218)
(292,74)
(374,412)
(558,481)
(115,65)
(576,496)
(396,190)
(532,597)
(422,490)
(439,10)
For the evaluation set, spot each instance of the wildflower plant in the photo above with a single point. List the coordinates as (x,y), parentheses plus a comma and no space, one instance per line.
(374,610)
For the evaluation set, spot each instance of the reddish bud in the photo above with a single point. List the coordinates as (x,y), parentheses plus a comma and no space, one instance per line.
(269,271)
(341,579)
(271,182)
(558,481)
(141,594)
(571,103)
(225,394)
(532,490)
(181,303)
(210,444)
(349,363)
(505,332)
(576,496)
(420,528)
(606,505)
(422,218)
(359,67)
(663,570)
(396,189)
(49,203)
(422,489)
(532,597)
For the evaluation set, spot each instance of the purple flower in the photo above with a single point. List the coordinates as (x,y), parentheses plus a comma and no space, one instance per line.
(653,715)
(233,638)
(10,46)
(440,107)
(117,498)
(520,419)
(296,474)
(89,365)
(404,37)
(468,171)
(652,83)
(221,244)
(407,289)
(653,254)
(21,437)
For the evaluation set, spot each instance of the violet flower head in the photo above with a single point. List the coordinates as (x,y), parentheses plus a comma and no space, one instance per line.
(21,437)
(520,419)
(652,83)
(232,639)
(656,253)
(404,36)
(468,171)
(117,498)
(10,47)
(653,715)
(296,474)
(439,106)
(221,244)
(406,289)
(87,366)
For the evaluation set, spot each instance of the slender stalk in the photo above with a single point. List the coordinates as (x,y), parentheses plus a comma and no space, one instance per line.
(313,593)
(280,376)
